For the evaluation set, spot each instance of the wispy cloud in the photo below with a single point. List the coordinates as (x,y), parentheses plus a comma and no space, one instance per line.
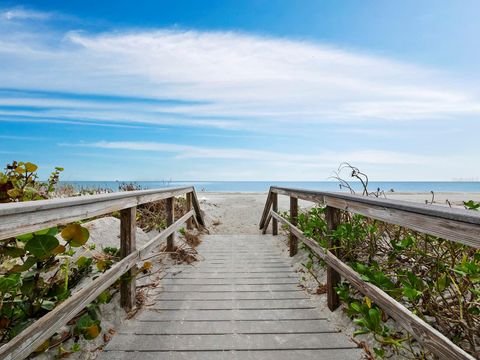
(225,79)
(22,13)
(320,159)
(16,137)
(241,88)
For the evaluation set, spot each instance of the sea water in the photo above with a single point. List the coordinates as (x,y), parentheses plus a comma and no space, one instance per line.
(263,186)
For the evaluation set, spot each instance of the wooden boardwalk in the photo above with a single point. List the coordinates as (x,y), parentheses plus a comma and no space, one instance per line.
(241,302)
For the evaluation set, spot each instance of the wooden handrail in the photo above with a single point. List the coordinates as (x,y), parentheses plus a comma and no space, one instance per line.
(29,216)
(457,225)
(41,214)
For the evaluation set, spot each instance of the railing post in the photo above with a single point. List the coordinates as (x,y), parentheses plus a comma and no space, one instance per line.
(169,207)
(332,217)
(293,219)
(275,208)
(189,207)
(127,246)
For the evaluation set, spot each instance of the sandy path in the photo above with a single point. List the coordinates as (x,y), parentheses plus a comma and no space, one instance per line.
(232,213)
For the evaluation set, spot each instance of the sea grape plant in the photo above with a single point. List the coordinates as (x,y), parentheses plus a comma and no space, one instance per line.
(37,270)
(438,280)
(19,182)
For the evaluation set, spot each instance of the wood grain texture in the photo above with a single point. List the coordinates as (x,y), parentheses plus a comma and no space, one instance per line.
(307,195)
(429,337)
(189,207)
(32,337)
(332,217)
(196,207)
(266,209)
(293,241)
(443,212)
(265,226)
(128,229)
(458,225)
(25,217)
(231,314)
(453,230)
(274,208)
(170,209)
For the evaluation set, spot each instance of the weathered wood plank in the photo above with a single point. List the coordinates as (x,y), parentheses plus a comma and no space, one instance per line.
(232,304)
(454,230)
(231,281)
(170,210)
(429,337)
(25,217)
(266,210)
(127,246)
(228,327)
(453,224)
(237,314)
(224,316)
(307,195)
(332,217)
(267,222)
(196,207)
(229,342)
(274,208)
(230,295)
(323,354)
(231,287)
(225,276)
(293,241)
(189,199)
(444,212)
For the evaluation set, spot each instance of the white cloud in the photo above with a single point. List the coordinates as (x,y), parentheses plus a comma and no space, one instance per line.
(302,95)
(257,81)
(24,14)
(317,160)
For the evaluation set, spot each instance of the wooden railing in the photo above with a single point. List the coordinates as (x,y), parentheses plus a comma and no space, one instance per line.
(458,225)
(21,218)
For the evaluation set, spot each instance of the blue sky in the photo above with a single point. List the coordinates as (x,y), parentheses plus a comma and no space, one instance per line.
(241,90)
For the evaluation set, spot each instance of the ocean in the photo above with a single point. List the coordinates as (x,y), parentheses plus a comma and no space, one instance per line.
(263,186)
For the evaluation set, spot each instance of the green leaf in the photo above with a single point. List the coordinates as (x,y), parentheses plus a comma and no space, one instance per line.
(75,235)
(88,327)
(25,237)
(12,251)
(48,305)
(375,319)
(42,246)
(411,294)
(360,332)
(83,261)
(9,283)
(53,231)
(442,282)
(14,193)
(356,306)
(30,167)
(379,352)
(104,297)
(31,260)
(471,205)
